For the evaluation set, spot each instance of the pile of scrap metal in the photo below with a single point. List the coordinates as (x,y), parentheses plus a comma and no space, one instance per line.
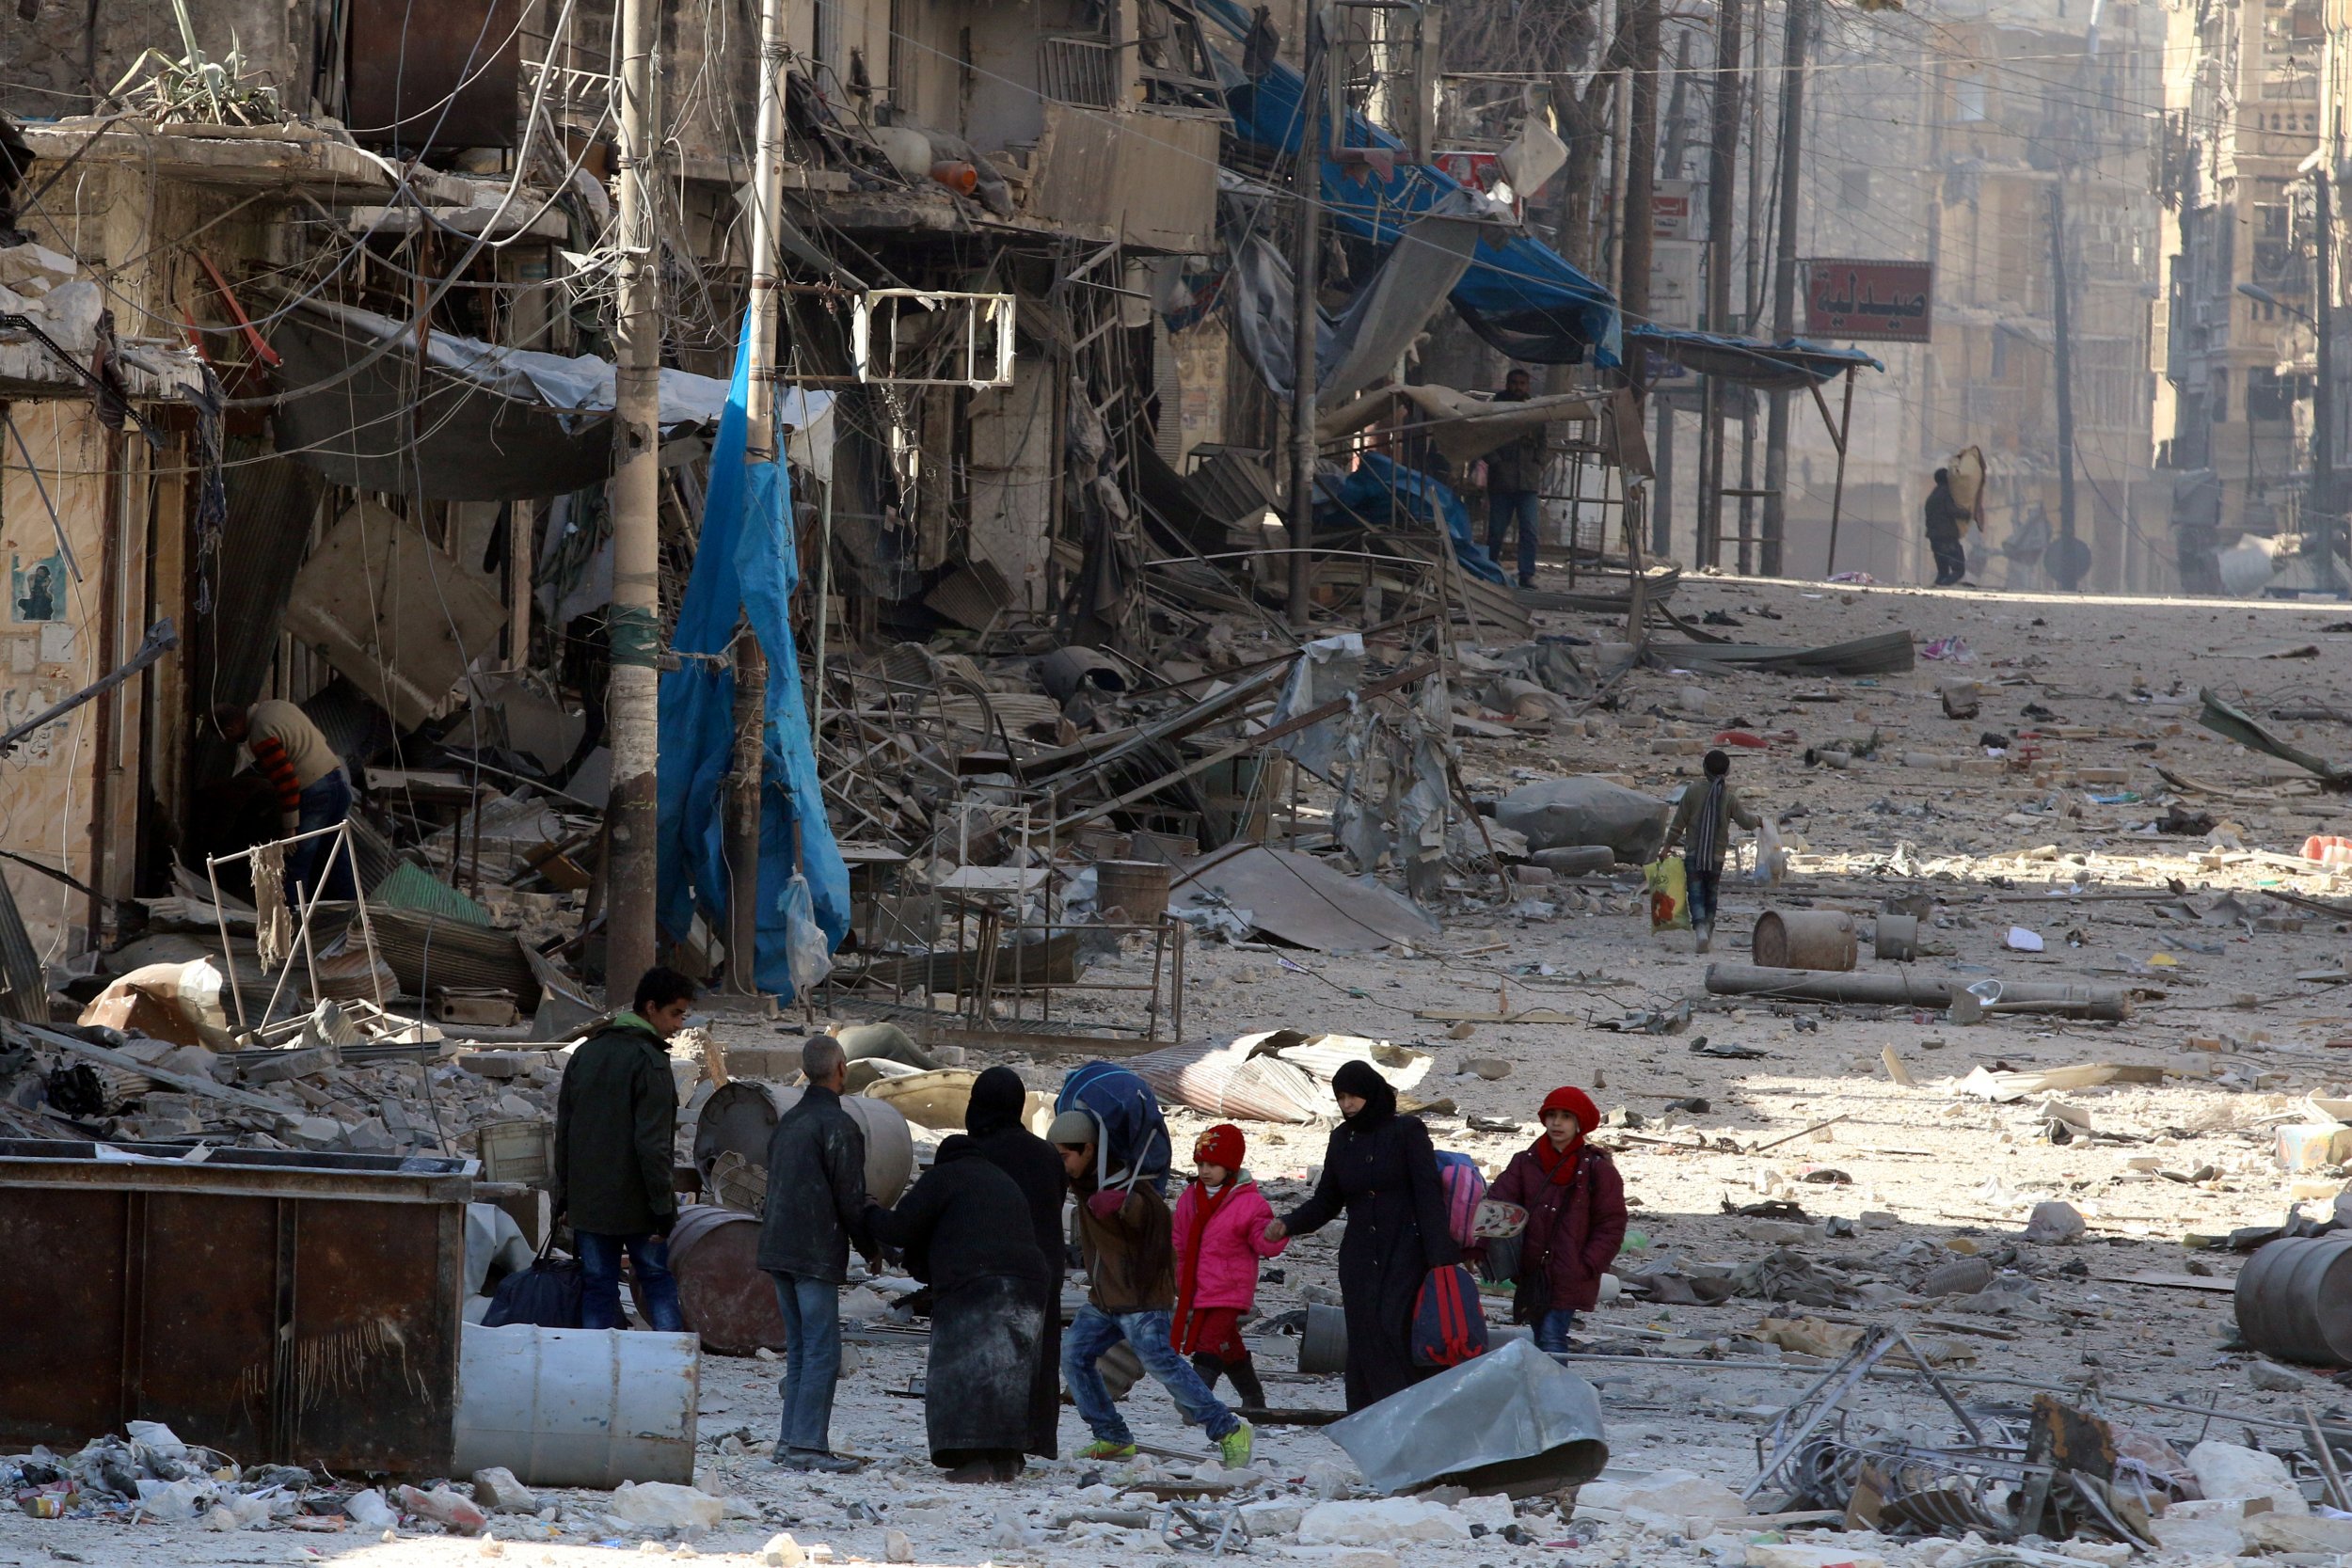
(2050,1470)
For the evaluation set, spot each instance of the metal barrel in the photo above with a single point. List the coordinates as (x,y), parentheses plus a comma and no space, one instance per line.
(741,1115)
(1897,936)
(2293,1300)
(1138,887)
(1806,939)
(725,1298)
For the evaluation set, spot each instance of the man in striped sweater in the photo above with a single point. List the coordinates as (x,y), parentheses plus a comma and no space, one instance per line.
(312,793)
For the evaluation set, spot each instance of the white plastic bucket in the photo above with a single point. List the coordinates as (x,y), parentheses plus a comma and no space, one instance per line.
(578,1406)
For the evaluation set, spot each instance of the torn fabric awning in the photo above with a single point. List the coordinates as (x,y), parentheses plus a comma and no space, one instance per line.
(1787,365)
(474,422)
(1520,295)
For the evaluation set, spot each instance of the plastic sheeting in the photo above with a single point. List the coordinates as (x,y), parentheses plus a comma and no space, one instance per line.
(1379,324)
(745,563)
(1380,488)
(1786,365)
(1513,1419)
(1519,296)
(1273,1075)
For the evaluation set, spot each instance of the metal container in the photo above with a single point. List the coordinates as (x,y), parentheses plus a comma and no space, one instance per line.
(725,1298)
(1896,937)
(739,1116)
(2293,1300)
(1806,939)
(521,1150)
(1323,1344)
(283,1307)
(1138,887)
(578,1406)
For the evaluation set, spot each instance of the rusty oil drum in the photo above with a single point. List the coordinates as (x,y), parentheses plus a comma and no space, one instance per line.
(726,1296)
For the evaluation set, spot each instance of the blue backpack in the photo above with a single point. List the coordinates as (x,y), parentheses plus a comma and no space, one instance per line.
(1131,1142)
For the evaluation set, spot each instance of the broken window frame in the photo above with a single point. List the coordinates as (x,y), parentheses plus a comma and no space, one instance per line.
(889,303)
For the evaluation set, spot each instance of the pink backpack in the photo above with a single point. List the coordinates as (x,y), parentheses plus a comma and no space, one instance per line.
(1465,1190)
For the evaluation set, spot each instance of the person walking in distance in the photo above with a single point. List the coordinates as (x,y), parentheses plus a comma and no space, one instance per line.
(815,1208)
(1124,1232)
(1515,482)
(1702,824)
(1942,516)
(615,1133)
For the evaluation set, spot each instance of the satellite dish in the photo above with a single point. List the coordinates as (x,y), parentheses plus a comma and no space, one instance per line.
(2067,561)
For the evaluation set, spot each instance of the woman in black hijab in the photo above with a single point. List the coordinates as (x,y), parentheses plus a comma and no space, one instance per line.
(1381,1171)
(961,1229)
(993,1130)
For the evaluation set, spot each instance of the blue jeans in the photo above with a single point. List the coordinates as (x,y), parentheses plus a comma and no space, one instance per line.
(1703,889)
(325,802)
(812,1359)
(1502,506)
(600,1281)
(1095,1331)
(1551,1330)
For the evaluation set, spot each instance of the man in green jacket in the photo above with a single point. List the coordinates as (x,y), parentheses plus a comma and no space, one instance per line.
(615,1136)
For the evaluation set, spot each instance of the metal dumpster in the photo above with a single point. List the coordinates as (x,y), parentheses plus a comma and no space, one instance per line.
(283,1307)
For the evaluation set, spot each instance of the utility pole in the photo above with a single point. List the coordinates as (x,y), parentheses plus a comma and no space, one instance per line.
(2065,368)
(2323,499)
(1306,258)
(1635,250)
(1785,278)
(747,778)
(635,617)
(1723,173)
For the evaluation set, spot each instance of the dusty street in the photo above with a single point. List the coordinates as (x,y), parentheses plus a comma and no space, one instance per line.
(1856,1114)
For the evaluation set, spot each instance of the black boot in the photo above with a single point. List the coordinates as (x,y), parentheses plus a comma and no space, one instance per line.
(1208,1366)
(1244,1375)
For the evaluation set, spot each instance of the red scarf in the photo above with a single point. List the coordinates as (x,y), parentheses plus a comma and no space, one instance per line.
(1203,1211)
(1559,1163)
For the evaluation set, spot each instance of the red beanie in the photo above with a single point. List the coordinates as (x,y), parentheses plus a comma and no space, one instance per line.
(1222,1144)
(1577,1103)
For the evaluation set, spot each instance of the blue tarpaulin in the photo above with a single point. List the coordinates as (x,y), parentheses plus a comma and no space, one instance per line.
(1367,494)
(744,562)
(1519,295)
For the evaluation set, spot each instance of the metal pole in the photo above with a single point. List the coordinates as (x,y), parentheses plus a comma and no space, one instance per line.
(1838,496)
(1785,278)
(635,619)
(747,778)
(2324,394)
(1306,257)
(2065,376)
(1723,173)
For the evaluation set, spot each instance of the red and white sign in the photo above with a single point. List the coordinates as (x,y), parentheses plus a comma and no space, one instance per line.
(1480,171)
(1879,301)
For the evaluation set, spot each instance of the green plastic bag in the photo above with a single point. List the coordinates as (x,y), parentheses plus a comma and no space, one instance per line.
(1669,894)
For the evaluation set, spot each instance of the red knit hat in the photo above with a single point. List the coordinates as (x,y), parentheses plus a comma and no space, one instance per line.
(1577,1103)
(1222,1144)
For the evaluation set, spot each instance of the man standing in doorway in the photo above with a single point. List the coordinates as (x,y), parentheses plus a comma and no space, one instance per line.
(1514,482)
(615,1142)
(815,1208)
(1941,514)
(289,751)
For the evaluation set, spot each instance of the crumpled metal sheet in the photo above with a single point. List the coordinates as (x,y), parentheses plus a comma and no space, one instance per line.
(1274,1075)
(1513,1419)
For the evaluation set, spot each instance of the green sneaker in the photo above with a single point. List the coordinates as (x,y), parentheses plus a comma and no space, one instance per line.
(1106,1451)
(1236,1446)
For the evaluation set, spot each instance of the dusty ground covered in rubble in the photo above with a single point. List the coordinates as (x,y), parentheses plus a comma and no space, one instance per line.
(1934,1173)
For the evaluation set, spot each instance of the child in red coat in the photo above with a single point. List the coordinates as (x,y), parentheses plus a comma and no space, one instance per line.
(1576,1218)
(1220,1228)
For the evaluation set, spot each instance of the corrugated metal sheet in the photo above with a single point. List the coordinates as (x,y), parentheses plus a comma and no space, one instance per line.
(429,950)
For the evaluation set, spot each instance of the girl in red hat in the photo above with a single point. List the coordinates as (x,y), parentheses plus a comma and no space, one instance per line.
(1576,1218)
(1220,1234)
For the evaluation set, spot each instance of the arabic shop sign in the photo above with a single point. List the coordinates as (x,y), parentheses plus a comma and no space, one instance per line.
(1881,301)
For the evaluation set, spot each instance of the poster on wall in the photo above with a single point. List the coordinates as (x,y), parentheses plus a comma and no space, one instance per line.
(37,588)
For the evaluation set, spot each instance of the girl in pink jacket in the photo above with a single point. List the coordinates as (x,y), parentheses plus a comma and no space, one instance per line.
(1220,1224)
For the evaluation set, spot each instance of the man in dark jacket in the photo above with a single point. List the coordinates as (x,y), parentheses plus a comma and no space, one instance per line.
(965,1232)
(992,1121)
(1515,482)
(1942,517)
(615,1138)
(816,1206)
(1130,1293)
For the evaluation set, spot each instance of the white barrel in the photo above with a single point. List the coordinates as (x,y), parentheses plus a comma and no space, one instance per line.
(578,1406)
